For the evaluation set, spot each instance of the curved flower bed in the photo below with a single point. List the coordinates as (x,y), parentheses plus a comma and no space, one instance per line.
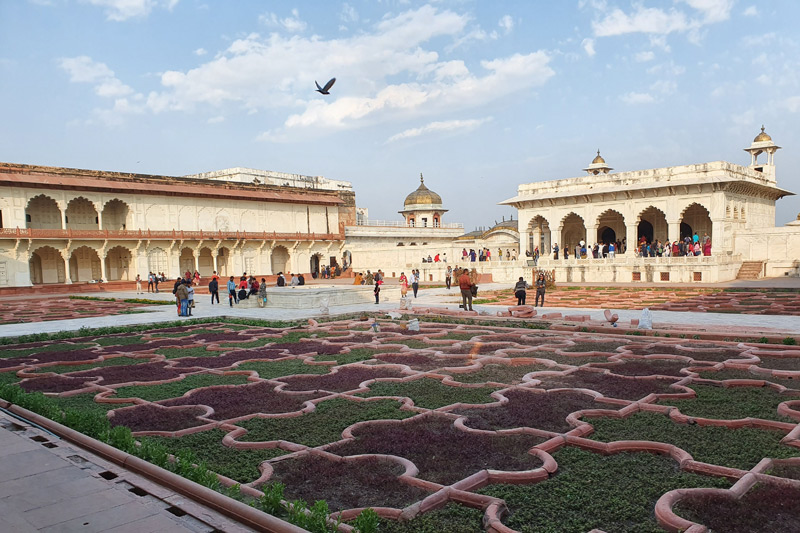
(344,379)
(153,417)
(608,385)
(442,453)
(350,484)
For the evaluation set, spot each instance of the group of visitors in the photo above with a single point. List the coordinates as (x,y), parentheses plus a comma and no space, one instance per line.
(436,258)
(485,254)
(468,284)
(369,278)
(184,295)
(326,272)
(521,287)
(688,246)
(412,280)
(153,279)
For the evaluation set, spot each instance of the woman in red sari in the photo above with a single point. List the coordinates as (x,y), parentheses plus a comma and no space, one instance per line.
(707,247)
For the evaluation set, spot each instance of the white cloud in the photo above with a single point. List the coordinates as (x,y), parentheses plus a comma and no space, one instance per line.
(588,47)
(385,72)
(634,98)
(643,57)
(216,120)
(664,86)
(457,126)
(751,11)
(759,40)
(119,10)
(506,23)
(200,52)
(83,69)
(349,13)
(658,21)
(291,24)
(712,10)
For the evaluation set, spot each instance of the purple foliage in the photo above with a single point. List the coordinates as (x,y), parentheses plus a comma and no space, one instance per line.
(443,453)
(230,358)
(529,409)
(232,402)
(304,347)
(347,378)
(151,417)
(607,384)
(124,374)
(54,384)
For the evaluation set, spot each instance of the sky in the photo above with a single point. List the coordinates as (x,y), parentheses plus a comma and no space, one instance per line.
(479,96)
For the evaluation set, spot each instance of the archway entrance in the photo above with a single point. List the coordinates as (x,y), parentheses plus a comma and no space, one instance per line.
(118,262)
(686,230)
(573,232)
(42,213)
(652,226)
(47,266)
(84,265)
(206,262)
(348,259)
(279,259)
(115,215)
(697,218)
(222,262)
(316,259)
(81,214)
(186,261)
(611,227)
(539,231)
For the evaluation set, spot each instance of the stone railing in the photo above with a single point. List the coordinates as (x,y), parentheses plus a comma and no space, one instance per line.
(28,233)
(402,224)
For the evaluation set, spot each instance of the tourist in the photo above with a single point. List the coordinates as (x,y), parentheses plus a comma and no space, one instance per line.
(466,290)
(359,279)
(182,297)
(213,288)
(301,280)
(429,259)
(403,284)
(463,254)
(295,280)
(519,290)
(377,291)
(555,251)
(369,279)
(444,257)
(436,258)
(232,292)
(448,277)
(536,256)
(566,254)
(508,255)
(415,281)
(190,302)
(254,286)
(697,250)
(138,284)
(611,250)
(695,238)
(541,285)
(244,286)
(281,280)
(707,247)
(379,275)
(499,254)
(155,282)
(214,276)
(262,293)
(150,282)
(196,278)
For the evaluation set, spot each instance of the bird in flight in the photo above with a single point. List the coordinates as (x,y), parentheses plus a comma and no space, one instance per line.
(324,90)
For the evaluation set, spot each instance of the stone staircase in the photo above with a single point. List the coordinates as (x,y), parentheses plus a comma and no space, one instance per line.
(750,270)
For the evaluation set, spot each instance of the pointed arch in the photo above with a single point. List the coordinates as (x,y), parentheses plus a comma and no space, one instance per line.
(42,212)
(610,226)
(573,231)
(698,219)
(82,215)
(652,225)
(116,215)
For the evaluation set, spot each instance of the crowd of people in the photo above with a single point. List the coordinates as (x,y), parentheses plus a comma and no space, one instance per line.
(485,254)
(327,272)
(688,246)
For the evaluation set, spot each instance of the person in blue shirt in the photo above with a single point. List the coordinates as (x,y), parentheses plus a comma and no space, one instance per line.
(232,291)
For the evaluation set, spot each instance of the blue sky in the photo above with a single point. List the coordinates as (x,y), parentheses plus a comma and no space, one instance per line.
(479,96)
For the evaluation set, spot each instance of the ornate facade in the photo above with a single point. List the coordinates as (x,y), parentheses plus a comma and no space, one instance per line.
(61,225)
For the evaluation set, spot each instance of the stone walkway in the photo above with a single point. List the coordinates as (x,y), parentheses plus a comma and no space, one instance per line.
(427,298)
(47,484)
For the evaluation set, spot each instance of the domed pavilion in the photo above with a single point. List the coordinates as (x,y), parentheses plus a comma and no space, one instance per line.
(423,207)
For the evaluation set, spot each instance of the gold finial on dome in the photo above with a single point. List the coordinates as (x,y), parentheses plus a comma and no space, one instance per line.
(598,159)
(762,137)
(421,179)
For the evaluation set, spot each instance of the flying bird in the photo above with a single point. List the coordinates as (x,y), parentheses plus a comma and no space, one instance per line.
(324,90)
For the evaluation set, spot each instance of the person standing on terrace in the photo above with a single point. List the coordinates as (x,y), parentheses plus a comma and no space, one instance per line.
(232,292)
(465,285)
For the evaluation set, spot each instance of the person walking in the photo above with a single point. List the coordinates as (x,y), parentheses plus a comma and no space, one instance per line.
(190,298)
(232,291)
(155,281)
(541,284)
(138,284)
(213,288)
(415,281)
(519,290)
(150,278)
(403,284)
(377,291)
(466,290)
(448,277)
(262,293)
(182,296)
